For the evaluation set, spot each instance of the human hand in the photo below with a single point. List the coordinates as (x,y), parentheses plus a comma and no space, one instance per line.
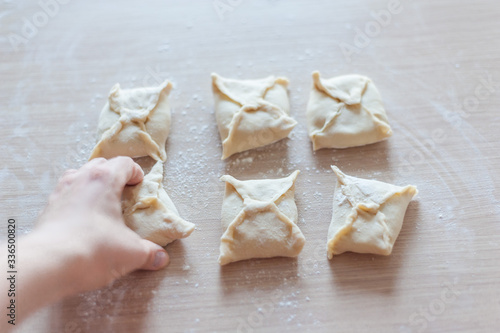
(80,242)
(83,221)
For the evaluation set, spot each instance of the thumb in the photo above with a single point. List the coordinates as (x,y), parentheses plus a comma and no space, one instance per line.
(157,257)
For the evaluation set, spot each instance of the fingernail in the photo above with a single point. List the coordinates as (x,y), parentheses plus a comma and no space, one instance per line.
(161,259)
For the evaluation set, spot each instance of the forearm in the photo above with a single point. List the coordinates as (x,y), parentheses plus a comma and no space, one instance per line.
(80,241)
(45,274)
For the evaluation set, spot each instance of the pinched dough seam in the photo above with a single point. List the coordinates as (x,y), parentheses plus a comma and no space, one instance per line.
(228,236)
(128,118)
(151,201)
(269,205)
(272,82)
(124,121)
(145,203)
(371,208)
(383,126)
(318,85)
(260,104)
(168,215)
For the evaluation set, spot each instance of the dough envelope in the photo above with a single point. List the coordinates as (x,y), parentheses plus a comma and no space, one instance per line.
(149,211)
(135,123)
(367,215)
(259,218)
(251,113)
(345,111)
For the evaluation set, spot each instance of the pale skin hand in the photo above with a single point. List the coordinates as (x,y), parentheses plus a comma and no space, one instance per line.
(80,241)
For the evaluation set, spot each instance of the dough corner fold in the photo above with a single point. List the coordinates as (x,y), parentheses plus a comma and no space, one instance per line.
(135,123)
(251,113)
(149,211)
(345,111)
(367,215)
(259,219)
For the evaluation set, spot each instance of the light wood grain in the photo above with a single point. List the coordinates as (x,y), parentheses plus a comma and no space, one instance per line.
(428,61)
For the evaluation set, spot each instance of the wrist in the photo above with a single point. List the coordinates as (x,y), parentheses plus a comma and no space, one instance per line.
(53,265)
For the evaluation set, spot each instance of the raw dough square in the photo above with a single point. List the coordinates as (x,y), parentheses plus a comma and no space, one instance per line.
(149,211)
(135,123)
(345,111)
(251,113)
(367,215)
(259,218)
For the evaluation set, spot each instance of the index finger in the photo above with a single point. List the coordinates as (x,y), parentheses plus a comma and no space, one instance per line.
(125,171)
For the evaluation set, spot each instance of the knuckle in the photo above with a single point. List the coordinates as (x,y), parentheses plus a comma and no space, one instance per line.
(99,173)
(99,160)
(68,177)
(53,198)
(69,172)
(65,180)
(125,161)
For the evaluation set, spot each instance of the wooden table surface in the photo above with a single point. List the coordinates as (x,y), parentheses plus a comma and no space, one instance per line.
(437,66)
